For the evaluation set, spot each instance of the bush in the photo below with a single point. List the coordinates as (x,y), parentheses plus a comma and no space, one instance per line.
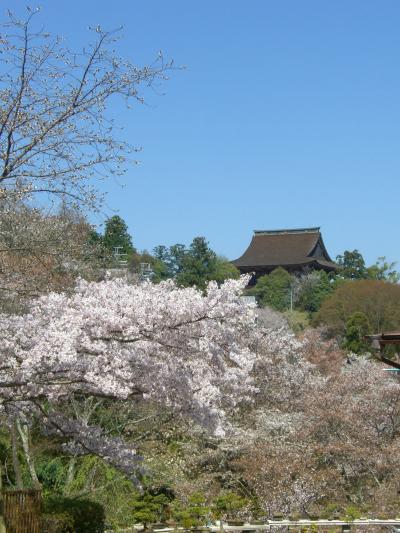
(298,320)
(378,300)
(352,513)
(87,516)
(229,505)
(312,288)
(274,290)
(331,511)
(194,512)
(150,508)
(57,523)
(357,327)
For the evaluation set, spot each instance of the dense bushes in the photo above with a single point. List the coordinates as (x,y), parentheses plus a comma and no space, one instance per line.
(274,290)
(312,288)
(150,508)
(84,516)
(57,523)
(281,290)
(357,327)
(379,301)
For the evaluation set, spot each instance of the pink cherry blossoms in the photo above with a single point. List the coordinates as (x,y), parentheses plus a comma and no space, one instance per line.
(178,347)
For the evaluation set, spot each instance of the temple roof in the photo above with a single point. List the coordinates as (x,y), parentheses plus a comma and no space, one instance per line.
(286,247)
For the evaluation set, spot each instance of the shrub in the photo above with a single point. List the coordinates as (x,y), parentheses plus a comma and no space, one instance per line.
(192,513)
(87,516)
(298,320)
(274,289)
(357,327)
(57,523)
(378,300)
(312,288)
(331,511)
(229,505)
(352,513)
(150,508)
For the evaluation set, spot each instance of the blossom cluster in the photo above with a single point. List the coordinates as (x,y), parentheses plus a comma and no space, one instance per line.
(188,351)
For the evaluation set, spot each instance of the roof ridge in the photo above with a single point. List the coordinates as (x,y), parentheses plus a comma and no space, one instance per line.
(283,231)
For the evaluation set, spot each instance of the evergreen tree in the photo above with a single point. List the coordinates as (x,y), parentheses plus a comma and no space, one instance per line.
(198,264)
(170,260)
(116,235)
(193,266)
(357,326)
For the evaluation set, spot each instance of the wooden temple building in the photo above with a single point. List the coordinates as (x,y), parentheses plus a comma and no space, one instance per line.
(296,250)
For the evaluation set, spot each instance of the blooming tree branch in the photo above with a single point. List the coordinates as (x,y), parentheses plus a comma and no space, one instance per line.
(178,347)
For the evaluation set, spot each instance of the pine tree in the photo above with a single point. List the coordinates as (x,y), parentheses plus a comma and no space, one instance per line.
(116,235)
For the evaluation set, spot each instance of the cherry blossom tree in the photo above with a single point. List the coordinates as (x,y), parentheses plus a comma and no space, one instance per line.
(55,133)
(355,431)
(191,352)
(330,442)
(41,253)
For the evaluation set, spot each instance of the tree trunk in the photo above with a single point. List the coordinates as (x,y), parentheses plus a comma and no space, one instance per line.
(70,476)
(15,459)
(24,434)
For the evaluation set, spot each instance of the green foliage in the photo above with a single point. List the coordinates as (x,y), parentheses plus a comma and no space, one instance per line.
(51,472)
(191,267)
(192,513)
(351,513)
(157,268)
(312,289)
(228,505)
(170,261)
(57,523)
(224,270)
(4,446)
(274,290)
(116,234)
(150,508)
(378,300)
(177,254)
(357,326)
(94,237)
(331,511)
(352,265)
(104,484)
(87,516)
(382,270)
(198,264)
(160,271)
(298,320)
(97,250)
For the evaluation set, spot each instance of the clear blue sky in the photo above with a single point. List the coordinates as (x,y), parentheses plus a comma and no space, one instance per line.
(287,115)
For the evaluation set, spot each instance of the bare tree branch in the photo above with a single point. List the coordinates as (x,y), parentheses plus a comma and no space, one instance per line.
(55,135)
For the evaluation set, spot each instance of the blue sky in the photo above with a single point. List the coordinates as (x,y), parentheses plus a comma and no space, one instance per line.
(286,115)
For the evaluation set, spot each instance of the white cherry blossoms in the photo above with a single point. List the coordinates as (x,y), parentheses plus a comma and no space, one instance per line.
(186,350)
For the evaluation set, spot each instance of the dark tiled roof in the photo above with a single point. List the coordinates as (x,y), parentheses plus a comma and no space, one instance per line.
(328,264)
(284,248)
